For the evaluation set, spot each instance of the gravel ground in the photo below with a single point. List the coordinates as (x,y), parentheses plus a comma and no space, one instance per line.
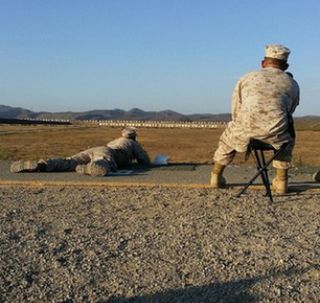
(157,245)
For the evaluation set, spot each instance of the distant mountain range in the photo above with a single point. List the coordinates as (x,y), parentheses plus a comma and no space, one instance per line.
(9,112)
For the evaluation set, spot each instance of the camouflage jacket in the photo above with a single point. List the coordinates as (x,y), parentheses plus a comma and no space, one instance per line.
(126,150)
(262,103)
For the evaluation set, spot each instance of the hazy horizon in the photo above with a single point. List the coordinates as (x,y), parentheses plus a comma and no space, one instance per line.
(167,109)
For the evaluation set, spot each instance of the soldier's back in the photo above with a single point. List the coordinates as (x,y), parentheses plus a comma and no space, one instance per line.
(123,150)
(266,97)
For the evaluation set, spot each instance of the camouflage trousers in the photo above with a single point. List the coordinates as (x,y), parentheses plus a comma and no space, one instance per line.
(225,154)
(90,155)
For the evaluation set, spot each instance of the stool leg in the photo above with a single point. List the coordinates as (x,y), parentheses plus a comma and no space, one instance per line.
(266,177)
(262,166)
(257,174)
(264,173)
(255,156)
(260,163)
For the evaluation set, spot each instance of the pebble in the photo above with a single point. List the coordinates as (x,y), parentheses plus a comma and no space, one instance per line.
(200,247)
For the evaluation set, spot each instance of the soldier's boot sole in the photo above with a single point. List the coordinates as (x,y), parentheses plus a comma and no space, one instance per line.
(82,169)
(24,166)
(92,169)
(98,170)
(316,176)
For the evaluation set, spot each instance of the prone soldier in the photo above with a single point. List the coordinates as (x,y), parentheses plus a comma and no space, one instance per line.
(96,161)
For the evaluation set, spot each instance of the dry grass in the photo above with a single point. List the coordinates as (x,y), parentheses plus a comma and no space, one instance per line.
(182,145)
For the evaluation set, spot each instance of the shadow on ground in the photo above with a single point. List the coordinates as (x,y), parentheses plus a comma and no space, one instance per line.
(298,187)
(232,292)
(294,187)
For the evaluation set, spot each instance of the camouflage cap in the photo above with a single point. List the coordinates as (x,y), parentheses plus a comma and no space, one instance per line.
(129,132)
(277,51)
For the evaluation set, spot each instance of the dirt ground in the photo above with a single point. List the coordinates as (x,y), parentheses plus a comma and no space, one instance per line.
(157,245)
(71,245)
(182,145)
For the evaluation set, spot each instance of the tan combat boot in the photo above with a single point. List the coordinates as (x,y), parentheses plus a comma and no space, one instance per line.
(316,176)
(97,168)
(280,182)
(22,166)
(217,180)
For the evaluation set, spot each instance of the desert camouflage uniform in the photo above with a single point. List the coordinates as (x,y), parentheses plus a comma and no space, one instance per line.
(117,154)
(126,150)
(262,102)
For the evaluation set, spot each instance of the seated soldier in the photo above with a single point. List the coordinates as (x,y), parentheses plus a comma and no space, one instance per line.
(262,106)
(96,161)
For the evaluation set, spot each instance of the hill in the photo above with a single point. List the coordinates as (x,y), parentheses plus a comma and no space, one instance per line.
(8,112)
(109,114)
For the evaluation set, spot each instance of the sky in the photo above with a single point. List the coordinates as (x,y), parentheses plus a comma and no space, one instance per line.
(182,55)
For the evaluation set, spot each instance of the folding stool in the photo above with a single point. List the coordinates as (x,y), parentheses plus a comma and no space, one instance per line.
(256,148)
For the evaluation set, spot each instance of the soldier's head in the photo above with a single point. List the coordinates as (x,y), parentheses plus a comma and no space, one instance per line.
(276,55)
(129,133)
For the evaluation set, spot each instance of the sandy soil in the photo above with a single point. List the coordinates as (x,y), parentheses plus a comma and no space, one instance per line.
(157,245)
(182,145)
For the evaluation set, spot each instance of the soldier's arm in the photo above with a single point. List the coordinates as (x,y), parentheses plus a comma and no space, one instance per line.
(236,100)
(292,107)
(141,155)
(295,98)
